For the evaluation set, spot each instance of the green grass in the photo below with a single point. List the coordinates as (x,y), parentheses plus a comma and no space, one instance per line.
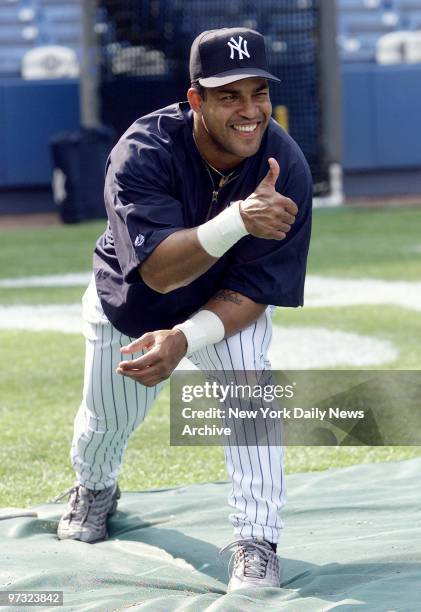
(354,242)
(41,295)
(374,243)
(401,327)
(52,250)
(37,408)
(41,373)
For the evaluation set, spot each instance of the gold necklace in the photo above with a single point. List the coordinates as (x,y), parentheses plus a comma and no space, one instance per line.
(224,177)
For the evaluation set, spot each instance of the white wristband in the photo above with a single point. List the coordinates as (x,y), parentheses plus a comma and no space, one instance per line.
(203,328)
(220,233)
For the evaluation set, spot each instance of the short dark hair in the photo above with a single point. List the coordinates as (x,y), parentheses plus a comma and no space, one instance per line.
(199,88)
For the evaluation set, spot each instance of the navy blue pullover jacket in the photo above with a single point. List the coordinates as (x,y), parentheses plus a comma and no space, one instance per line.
(156,184)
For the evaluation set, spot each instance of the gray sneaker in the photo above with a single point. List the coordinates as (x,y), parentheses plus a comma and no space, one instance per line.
(253,564)
(85,518)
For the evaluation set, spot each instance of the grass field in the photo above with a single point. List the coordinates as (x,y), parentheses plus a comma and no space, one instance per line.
(41,372)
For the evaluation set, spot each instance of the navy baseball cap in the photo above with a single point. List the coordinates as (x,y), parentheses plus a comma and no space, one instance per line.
(219,57)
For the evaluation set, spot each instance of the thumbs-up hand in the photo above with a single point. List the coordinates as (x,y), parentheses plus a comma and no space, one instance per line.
(272,175)
(266,213)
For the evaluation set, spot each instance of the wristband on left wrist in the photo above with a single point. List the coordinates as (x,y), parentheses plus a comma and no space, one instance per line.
(202,329)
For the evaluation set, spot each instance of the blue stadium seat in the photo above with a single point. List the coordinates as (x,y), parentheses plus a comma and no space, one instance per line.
(18,35)
(407,5)
(65,33)
(375,22)
(16,14)
(9,67)
(71,12)
(412,20)
(54,2)
(359,5)
(359,48)
(11,58)
(410,13)
(11,61)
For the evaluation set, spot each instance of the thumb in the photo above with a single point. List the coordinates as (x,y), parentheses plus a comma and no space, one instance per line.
(273,173)
(145,341)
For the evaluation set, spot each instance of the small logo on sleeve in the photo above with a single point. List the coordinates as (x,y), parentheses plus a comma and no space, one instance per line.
(139,240)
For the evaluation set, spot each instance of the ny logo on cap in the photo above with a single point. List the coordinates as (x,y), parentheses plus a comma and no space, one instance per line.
(240,47)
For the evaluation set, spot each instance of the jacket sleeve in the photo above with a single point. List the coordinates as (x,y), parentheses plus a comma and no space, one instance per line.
(141,209)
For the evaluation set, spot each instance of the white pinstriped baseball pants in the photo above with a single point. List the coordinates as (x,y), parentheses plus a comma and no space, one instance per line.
(113,406)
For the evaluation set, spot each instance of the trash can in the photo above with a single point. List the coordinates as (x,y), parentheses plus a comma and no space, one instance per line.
(78,172)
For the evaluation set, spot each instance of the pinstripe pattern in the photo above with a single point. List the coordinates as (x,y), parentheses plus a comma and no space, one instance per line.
(113,406)
(256,471)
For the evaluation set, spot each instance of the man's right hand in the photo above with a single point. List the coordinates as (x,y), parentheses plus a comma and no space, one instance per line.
(266,213)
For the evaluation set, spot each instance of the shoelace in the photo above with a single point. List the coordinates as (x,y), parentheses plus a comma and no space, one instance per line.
(82,503)
(69,492)
(253,568)
(61,495)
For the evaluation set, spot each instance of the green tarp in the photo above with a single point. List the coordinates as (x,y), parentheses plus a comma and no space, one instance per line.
(352,542)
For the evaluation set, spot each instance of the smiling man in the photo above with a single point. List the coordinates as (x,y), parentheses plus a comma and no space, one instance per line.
(228,136)
(209,208)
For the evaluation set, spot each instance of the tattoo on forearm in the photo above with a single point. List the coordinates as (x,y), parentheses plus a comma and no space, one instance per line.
(226,295)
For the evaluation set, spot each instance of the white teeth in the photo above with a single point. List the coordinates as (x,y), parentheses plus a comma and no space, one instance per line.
(245,128)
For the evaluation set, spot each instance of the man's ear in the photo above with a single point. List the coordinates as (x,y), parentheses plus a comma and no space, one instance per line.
(195,100)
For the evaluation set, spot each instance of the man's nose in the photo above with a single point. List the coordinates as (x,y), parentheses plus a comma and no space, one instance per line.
(249,109)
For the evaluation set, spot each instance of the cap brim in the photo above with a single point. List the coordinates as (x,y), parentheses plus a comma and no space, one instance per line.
(236,75)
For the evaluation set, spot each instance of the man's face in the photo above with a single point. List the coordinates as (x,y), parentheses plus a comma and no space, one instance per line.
(235,116)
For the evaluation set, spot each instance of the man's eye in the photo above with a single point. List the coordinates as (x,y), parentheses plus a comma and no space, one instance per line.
(228,98)
(262,94)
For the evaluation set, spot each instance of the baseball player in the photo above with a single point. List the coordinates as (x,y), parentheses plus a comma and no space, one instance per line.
(209,214)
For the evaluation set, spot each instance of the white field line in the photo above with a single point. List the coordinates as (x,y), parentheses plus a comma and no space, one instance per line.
(324,291)
(292,347)
(65,318)
(320,291)
(77,279)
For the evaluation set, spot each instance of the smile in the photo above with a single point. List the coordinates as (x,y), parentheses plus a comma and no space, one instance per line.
(245,128)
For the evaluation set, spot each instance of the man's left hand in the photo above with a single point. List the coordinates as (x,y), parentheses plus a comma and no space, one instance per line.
(165,349)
